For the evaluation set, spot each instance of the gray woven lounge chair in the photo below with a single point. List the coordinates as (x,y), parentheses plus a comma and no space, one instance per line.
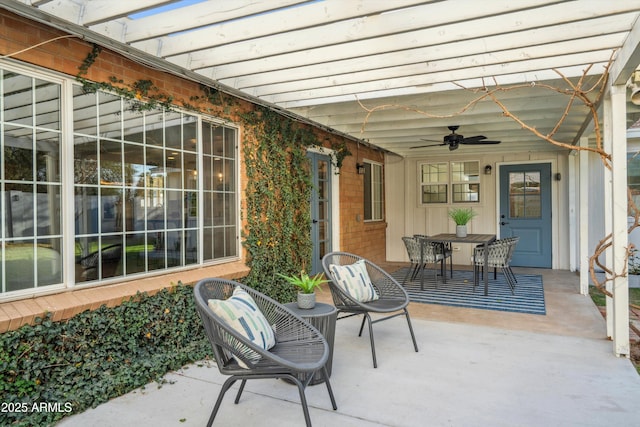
(299,353)
(393,299)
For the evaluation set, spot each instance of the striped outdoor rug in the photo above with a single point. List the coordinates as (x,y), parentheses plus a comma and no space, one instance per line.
(459,292)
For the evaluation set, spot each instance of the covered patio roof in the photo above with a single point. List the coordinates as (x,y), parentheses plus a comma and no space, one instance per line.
(325,60)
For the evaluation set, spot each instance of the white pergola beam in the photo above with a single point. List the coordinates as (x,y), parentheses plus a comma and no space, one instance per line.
(92,12)
(584,36)
(627,58)
(432,24)
(452,69)
(201,15)
(515,72)
(288,27)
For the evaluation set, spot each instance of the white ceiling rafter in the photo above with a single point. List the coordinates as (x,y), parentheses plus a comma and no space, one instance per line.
(315,59)
(196,16)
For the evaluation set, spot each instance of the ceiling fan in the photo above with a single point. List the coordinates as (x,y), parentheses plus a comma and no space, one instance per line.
(453,140)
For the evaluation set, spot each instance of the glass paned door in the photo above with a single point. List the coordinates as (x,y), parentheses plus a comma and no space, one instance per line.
(320,208)
(525,211)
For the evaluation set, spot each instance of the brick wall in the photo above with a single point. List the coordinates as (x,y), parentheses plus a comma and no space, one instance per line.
(366,239)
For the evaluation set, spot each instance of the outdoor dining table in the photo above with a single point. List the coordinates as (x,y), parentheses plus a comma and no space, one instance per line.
(477,239)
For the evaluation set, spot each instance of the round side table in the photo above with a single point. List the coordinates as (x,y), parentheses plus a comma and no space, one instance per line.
(323,318)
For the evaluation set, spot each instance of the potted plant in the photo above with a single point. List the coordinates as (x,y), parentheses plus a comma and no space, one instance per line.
(307,287)
(461,216)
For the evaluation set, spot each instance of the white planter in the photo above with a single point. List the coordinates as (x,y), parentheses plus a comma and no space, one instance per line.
(306,301)
(461,230)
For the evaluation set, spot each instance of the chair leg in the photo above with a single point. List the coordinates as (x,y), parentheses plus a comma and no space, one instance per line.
(240,391)
(475,275)
(413,337)
(510,280)
(451,266)
(227,384)
(364,319)
(326,381)
(411,269)
(435,275)
(373,344)
(303,397)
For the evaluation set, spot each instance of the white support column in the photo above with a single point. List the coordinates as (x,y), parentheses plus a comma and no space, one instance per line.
(583,252)
(574,226)
(619,221)
(607,203)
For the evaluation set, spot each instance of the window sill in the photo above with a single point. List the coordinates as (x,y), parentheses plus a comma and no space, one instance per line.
(65,305)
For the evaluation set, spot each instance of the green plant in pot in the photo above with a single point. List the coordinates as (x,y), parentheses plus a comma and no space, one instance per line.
(307,287)
(461,216)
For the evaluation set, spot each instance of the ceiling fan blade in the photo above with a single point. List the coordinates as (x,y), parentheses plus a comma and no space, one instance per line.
(479,142)
(430,145)
(475,138)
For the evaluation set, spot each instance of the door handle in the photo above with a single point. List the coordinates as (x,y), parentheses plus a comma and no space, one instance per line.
(504,223)
(315,221)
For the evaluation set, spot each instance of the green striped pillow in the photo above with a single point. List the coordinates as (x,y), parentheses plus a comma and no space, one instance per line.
(242,314)
(354,280)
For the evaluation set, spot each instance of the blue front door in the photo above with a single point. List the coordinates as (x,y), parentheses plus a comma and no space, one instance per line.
(525,211)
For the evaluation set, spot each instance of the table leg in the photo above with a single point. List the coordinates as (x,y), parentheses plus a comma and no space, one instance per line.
(421,265)
(486,269)
(444,262)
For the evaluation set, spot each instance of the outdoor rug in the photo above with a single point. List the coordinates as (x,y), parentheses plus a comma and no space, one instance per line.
(459,292)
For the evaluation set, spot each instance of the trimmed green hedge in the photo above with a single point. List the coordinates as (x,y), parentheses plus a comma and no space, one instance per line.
(55,369)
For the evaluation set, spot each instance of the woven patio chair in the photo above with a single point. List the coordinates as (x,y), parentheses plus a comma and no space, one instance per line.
(430,256)
(500,253)
(299,353)
(389,299)
(444,249)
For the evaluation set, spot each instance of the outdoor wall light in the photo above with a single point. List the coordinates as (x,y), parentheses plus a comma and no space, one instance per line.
(360,168)
(487,170)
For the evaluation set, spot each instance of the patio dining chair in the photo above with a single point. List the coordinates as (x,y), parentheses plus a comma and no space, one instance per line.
(300,351)
(359,287)
(499,255)
(444,249)
(418,265)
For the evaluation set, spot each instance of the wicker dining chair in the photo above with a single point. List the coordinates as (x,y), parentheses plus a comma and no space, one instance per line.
(444,249)
(499,255)
(429,256)
(299,353)
(392,300)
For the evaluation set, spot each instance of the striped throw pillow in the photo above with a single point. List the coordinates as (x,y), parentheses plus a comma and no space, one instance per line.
(242,314)
(354,280)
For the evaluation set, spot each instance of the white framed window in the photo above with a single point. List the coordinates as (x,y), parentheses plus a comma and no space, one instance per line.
(465,182)
(145,190)
(434,182)
(450,182)
(373,192)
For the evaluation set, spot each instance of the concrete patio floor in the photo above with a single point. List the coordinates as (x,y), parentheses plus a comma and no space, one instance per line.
(474,368)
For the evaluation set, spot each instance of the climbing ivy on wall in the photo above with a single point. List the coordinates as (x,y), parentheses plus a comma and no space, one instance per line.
(278,233)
